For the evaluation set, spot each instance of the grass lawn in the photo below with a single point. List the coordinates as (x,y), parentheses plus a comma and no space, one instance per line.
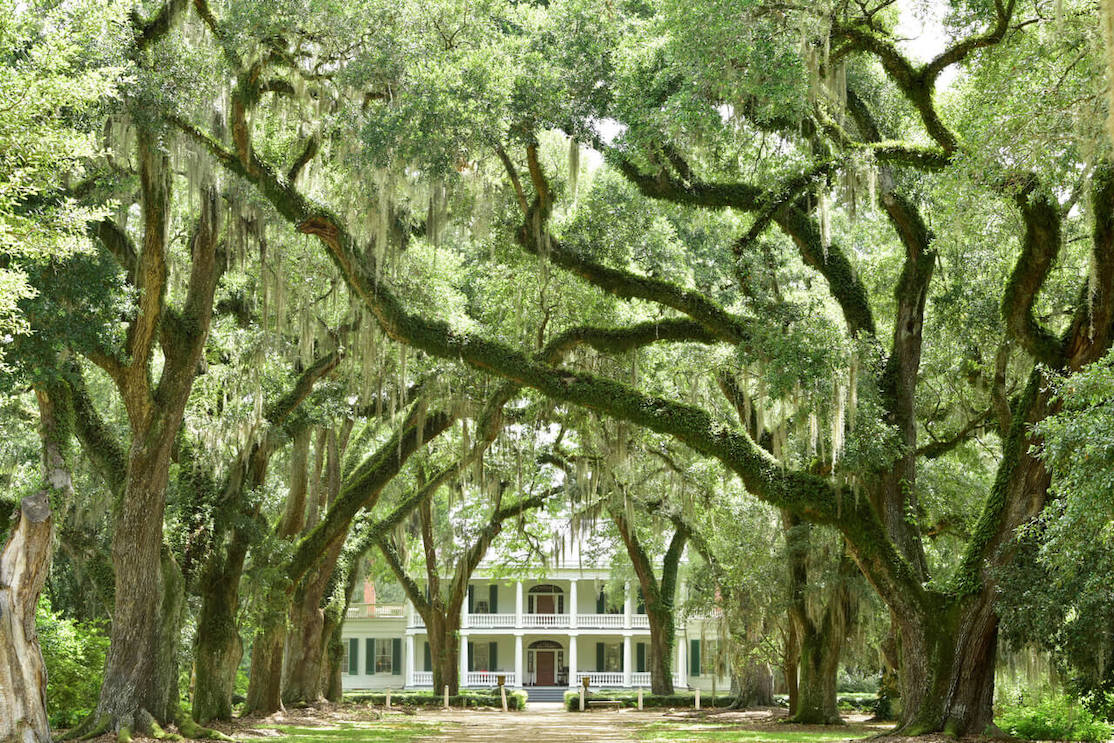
(730,733)
(393,729)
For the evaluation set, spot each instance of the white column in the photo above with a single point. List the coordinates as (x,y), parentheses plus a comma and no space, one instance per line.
(626,661)
(628,607)
(573,642)
(518,665)
(572,603)
(409,660)
(464,610)
(683,657)
(463,661)
(518,603)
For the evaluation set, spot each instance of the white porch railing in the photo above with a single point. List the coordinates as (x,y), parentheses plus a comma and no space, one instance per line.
(488,678)
(362,611)
(600,678)
(545,621)
(599,621)
(491,620)
(639,621)
(640,679)
(422,678)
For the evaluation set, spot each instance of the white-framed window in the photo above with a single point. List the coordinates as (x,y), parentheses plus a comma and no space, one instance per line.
(481,658)
(383,656)
(613,657)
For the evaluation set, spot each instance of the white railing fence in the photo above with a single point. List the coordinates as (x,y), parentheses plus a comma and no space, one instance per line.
(491,620)
(545,621)
(598,679)
(488,678)
(599,621)
(362,611)
(639,621)
(422,678)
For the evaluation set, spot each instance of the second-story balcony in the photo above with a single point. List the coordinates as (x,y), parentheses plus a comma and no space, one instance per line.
(371,611)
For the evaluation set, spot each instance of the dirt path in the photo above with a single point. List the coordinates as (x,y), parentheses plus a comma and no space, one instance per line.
(539,723)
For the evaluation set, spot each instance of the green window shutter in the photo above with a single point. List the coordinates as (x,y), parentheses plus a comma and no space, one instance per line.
(640,659)
(353,656)
(641,608)
(428,658)
(694,657)
(493,598)
(369,663)
(493,656)
(599,656)
(471,659)
(396,656)
(601,603)
(560,603)
(471,599)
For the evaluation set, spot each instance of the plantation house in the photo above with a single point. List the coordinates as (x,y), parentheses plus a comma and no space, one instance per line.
(545,634)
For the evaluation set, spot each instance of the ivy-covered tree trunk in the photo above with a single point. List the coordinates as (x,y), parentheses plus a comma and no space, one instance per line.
(264,695)
(219,648)
(304,663)
(24,565)
(444,653)
(660,657)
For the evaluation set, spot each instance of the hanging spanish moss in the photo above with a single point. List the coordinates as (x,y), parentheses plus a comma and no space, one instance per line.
(1107,10)
(574,166)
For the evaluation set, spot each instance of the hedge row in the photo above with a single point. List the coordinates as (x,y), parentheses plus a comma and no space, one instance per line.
(630,699)
(468,698)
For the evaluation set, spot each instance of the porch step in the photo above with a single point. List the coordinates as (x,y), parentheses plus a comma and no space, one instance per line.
(545,693)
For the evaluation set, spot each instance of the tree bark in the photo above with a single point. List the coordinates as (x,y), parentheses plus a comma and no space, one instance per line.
(265,682)
(754,685)
(24,565)
(219,647)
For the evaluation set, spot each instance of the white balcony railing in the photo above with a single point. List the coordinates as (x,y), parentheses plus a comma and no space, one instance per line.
(488,678)
(639,621)
(545,621)
(485,621)
(599,621)
(600,678)
(422,678)
(365,611)
(640,679)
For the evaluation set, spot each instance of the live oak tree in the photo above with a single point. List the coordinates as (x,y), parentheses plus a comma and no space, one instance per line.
(743,133)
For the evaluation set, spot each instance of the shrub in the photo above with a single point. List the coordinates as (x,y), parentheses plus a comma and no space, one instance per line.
(1053,718)
(516,699)
(74,654)
(629,698)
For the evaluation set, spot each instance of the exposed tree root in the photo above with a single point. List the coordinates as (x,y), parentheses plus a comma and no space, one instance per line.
(189,728)
(90,727)
(124,734)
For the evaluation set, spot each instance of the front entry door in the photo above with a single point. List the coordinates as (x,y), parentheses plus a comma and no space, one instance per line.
(545,667)
(544,605)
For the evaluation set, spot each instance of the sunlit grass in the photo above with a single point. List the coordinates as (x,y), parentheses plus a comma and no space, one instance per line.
(390,729)
(689,731)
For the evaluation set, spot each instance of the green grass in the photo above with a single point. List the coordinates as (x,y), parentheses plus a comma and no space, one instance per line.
(694,731)
(390,729)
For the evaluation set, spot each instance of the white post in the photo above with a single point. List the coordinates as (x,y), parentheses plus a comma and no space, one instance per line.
(464,610)
(573,662)
(573,609)
(518,603)
(388,698)
(446,696)
(463,661)
(518,677)
(626,661)
(698,697)
(503,696)
(628,608)
(409,661)
(581,698)
(682,658)
(640,698)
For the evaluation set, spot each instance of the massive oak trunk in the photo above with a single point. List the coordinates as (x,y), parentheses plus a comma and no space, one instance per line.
(219,647)
(444,652)
(265,680)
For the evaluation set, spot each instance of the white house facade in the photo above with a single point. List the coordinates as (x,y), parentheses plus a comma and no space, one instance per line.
(546,633)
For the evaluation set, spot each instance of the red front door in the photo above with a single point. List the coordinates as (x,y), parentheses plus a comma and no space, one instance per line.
(545,667)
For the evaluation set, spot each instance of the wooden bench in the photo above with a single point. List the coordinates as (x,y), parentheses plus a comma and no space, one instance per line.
(605,703)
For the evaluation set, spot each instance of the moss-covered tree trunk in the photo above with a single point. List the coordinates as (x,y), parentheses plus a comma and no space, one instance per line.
(219,648)
(304,662)
(753,685)
(444,653)
(264,695)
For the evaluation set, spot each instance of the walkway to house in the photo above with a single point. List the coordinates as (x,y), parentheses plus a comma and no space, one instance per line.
(538,723)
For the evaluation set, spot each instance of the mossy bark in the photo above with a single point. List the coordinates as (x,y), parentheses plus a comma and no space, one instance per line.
(219,648)
(264,695)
